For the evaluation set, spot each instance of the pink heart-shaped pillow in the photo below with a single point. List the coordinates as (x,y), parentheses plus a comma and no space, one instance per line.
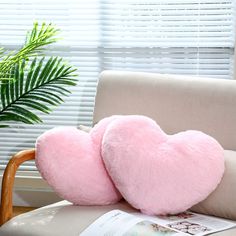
(159,173)
(70,161)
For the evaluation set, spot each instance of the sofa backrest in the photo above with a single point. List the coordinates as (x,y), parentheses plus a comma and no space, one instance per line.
(176,103)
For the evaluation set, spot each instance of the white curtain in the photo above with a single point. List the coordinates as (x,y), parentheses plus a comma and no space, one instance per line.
(191,37)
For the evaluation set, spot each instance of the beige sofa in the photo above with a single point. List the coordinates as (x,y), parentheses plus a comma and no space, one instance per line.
(177,103)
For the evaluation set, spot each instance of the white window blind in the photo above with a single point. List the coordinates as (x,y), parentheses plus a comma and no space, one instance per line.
(191,37)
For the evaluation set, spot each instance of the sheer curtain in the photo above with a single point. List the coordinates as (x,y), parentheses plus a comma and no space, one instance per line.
(191,37)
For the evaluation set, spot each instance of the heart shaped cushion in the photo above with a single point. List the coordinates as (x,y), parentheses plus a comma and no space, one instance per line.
(69,160)
(159,173)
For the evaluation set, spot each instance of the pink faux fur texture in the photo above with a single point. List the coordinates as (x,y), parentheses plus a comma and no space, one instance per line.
(159,173)
(69,160)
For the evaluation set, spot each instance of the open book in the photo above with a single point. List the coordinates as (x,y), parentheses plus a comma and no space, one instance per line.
(120,223)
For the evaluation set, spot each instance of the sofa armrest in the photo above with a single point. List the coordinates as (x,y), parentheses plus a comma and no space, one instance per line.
(6,209)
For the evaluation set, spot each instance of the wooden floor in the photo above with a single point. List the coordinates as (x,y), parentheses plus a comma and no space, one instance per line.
(19,210)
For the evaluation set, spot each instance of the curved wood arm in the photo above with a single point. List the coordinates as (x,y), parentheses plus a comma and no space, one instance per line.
(6,210)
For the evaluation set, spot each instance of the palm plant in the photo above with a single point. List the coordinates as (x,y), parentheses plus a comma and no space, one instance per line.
(30,82)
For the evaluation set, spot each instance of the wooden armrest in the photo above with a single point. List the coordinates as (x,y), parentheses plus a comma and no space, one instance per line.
(6,209)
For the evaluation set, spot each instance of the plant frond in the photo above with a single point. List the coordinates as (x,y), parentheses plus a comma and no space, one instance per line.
(34,105)
(37,39)
(41,37)
(4,126)
(9,116)
(2,51)
(30,74)
(19,110)
(57,89)
(39,86)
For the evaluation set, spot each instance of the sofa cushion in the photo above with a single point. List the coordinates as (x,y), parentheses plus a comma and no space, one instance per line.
(58,219)
(85,128)
(63,218)
(203,104)
(221,202)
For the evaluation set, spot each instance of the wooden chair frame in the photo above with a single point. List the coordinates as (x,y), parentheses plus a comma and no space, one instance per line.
(6,209)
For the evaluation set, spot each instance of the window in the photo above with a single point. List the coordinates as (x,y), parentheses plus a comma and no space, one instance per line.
(191,37)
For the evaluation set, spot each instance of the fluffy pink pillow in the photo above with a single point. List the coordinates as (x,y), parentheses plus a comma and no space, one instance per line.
(70,161)
(159,173)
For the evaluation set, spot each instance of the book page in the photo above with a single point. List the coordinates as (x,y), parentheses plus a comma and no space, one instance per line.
(120,223)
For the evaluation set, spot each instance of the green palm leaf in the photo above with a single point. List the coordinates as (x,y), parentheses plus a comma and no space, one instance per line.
(2,52)
(39,85)
(36,40)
